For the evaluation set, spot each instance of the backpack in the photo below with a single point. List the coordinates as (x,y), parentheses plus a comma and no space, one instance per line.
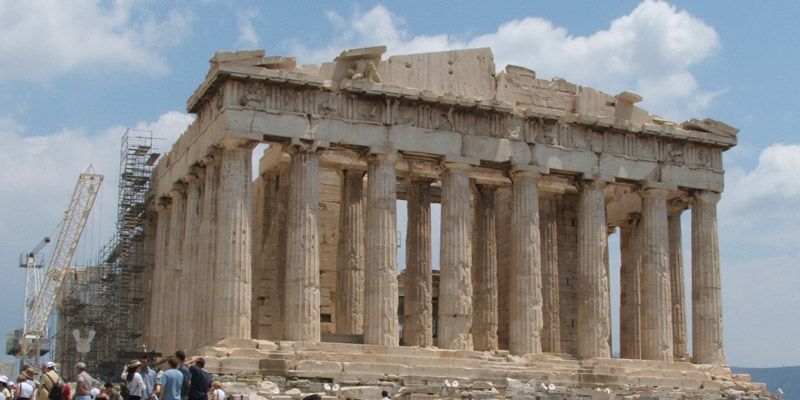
(56,392)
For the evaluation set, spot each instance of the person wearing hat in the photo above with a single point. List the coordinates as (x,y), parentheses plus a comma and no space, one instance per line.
(134,381)
(48,381)
(5,394)
(83,383)
(30,374)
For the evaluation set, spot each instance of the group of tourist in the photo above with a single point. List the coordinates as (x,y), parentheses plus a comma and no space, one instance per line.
(182,380)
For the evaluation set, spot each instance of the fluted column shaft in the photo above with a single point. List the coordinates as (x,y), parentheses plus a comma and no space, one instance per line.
(484,302)
(207,249)
(679,340)
(302,297)
(277,242)
(548,234)
(706,283)
(418,306)
(232,272)
(594,324)
(525,289)
(350,269)
(157,305)
(630,300)
(455,285)
(656,320)
(380,270)
(186,337)
(173,300)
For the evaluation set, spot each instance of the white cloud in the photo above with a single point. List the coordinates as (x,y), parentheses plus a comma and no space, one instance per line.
(247,33)
(41,39)
(38,175)
(648,51)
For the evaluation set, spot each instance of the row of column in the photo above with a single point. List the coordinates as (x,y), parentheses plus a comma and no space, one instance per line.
(202,275)
(651,270)
(652,300)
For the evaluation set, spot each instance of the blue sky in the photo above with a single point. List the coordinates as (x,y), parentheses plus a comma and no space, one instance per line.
(74,75)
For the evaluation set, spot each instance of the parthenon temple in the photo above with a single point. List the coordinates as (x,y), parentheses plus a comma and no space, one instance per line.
(297,272)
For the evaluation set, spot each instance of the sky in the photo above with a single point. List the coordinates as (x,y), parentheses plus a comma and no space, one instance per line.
(75,75)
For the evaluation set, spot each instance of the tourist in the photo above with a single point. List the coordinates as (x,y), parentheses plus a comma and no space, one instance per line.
(385,395)
(217,393)
(48,381)
(201,379)
(134,381)
(24,389)
(83,383)
(148,376)
(187,376)
(170,382)
(30,374)
(105,394)
(4,390)
(313,397)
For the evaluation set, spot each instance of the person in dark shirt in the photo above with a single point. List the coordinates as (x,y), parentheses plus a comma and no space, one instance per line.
(187,376)
(200,381)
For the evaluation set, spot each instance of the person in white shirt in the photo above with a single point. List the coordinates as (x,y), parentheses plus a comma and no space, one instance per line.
(24,389)
(216,391)
(136,386)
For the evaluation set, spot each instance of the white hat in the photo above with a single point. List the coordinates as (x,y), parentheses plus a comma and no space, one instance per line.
(4,379)
(49,365)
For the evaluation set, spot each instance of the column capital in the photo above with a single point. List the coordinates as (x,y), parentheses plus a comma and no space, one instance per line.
(389,156)
(178,189)
(597,184)
(232,142)
(459,163)
(311,146)
(705,197)
(676,207)
(651,192)
(527,171)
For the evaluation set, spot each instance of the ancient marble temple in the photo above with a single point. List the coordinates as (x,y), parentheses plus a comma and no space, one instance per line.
(532,176)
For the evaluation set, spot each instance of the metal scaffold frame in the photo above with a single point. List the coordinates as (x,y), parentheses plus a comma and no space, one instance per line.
(109,299)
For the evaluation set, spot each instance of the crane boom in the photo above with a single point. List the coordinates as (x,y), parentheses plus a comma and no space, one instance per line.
(71,231)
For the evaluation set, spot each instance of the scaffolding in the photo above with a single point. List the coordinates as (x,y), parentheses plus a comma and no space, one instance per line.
(109,299)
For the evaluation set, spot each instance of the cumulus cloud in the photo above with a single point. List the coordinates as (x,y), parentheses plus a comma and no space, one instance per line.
(247,33)
(650,51)
(38,174)
(41,39)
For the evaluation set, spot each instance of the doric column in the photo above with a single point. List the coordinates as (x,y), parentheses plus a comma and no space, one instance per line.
(186,337)
(525,284)
(455,282)
(232,272)
(610,230)
(276,245)
(350,269)
(679,340)
(630,303)
(156,333)
(656,321)
(302,297)
(206,257)
(548,234)
(418,306)
(380,270)
(484,301)
(173,298)
(706,284)
(594,325)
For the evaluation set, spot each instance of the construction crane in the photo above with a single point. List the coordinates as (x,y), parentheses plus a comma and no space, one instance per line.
(33,262)
(33,330)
